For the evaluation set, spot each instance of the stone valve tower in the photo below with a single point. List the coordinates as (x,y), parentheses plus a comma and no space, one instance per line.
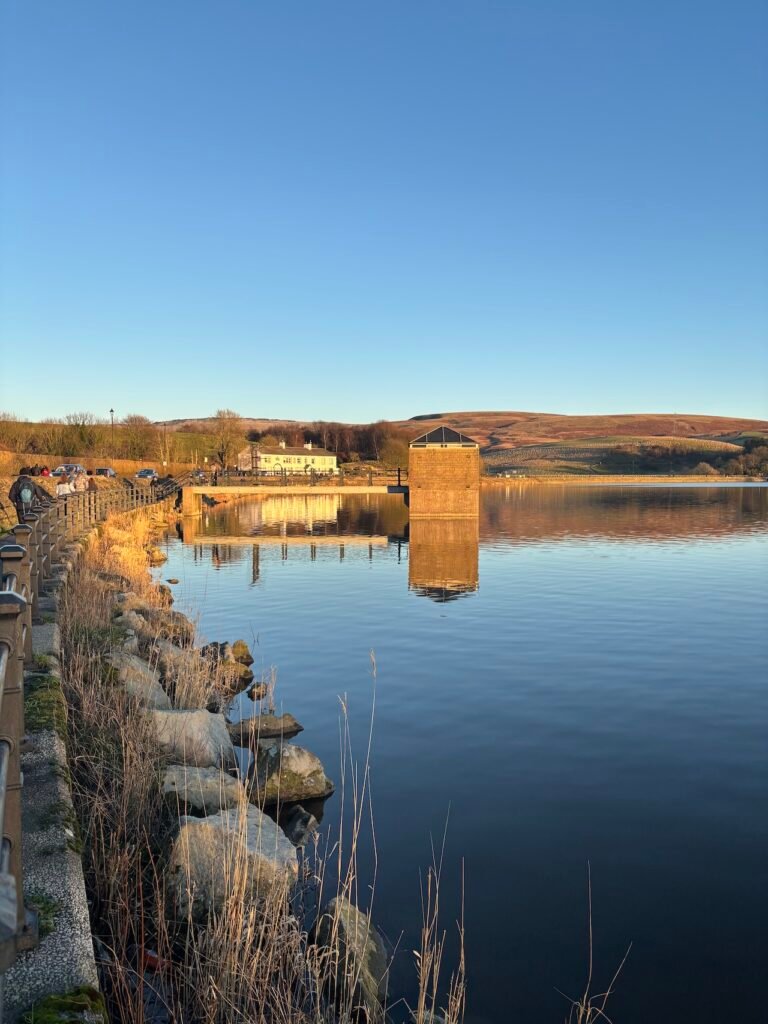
(444,476)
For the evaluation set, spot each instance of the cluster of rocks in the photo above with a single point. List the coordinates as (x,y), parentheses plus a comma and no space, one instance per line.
(222,811)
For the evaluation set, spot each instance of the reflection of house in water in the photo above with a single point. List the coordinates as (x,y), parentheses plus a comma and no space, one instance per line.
(295,527)
(442,557)
(297,513)
(295,516)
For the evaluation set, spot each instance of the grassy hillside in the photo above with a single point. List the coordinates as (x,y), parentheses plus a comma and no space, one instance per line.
(631,454)
(536,441)
(511,429)
(499,430)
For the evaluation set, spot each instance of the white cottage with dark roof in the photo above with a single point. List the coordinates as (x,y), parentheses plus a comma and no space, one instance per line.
(268,460)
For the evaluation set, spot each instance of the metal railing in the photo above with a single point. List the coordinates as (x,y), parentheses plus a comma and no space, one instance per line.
(28,552)
(346,476)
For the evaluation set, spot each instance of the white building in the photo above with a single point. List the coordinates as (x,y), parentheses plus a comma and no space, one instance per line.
(261,460)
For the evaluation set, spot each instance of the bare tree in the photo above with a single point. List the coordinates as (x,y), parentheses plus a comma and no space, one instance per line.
(137,436)
(229,435)
(14,433)
(82,434)
(166,444)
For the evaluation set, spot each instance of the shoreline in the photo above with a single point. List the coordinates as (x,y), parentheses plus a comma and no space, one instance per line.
(160,803)
(619,479)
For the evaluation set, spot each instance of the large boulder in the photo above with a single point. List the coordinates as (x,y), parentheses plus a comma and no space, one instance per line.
(282,773)
(194,737)
(156,555)
(172,659)
(241,675)
(139,680)
(164,594)
(232,660)
(249,731)
(190,678)
(217,652)
(357,959)
(201,878)
(171,625)
(131,621)
(163,622)
(207,790)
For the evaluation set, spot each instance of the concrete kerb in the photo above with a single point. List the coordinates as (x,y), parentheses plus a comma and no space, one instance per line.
(53,870)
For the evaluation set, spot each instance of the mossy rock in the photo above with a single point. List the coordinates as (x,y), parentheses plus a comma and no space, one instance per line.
(83,1005)
(284,773)
(165,594)
(241,673)
(44,705)
(241,652)
(157,556)
(48,910)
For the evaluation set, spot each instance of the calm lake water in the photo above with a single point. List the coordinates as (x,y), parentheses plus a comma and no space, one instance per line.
(581,679)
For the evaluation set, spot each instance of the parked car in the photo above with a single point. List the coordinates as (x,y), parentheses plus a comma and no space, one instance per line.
(105,471)
(67,469)
(147,474)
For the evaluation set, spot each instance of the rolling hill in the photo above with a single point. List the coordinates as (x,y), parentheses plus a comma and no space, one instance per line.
(503,430)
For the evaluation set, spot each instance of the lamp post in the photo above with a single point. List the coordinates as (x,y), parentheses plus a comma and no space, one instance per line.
(112,418)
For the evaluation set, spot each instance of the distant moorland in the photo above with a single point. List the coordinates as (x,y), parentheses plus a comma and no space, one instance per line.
(528,443)
(511,429)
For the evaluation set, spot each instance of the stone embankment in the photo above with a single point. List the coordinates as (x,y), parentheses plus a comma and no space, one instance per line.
(228,836)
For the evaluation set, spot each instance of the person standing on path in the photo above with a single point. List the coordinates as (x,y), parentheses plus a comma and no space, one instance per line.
(63,487)
(24,493)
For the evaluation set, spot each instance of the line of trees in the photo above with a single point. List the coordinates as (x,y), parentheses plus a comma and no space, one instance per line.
(754,461)
(650,458)
(134,436)
(81,434)
(380,441)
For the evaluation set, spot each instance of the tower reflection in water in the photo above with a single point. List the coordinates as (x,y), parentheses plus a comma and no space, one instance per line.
(443,558)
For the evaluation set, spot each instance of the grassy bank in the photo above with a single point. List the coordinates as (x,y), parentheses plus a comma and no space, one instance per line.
(251,960)
(11,462)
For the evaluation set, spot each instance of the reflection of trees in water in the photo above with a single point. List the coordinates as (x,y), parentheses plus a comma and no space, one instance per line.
(220,554)
(300,515)
(443,554)
(530,511)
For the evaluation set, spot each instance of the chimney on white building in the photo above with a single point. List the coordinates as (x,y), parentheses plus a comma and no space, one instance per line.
(308,445)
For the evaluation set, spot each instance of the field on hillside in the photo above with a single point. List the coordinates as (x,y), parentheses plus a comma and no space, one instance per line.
(615,454)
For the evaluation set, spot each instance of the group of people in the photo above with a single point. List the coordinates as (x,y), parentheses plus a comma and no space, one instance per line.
(26,492)
(75,484)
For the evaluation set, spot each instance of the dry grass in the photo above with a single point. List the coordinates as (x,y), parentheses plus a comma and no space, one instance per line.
(254,961)
(590,1007)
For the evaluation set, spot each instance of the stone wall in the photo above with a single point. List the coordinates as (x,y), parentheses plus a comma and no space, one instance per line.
(444,482)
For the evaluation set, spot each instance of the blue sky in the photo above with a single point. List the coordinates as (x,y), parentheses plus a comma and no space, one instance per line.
(362,210)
